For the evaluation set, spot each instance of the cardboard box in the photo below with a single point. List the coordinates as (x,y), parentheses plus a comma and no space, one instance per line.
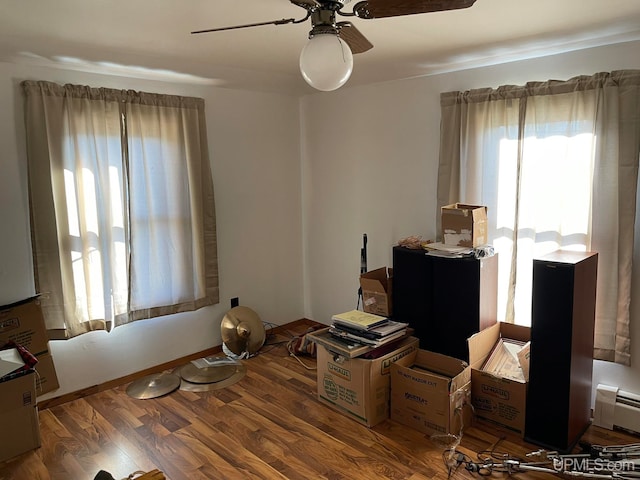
(464,225)
(433,395)
(376,291)
(46,378)
(359,387)
(18,416)
(497,399)
(23,323)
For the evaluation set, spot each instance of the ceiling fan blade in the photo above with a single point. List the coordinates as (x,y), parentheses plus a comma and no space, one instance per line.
(357,41)
(389,8)
(272,22)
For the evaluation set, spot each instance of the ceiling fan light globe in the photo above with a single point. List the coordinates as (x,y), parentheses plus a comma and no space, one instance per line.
(326,62)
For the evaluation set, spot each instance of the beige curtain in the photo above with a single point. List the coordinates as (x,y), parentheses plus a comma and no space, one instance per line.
(122,205)
(557,164)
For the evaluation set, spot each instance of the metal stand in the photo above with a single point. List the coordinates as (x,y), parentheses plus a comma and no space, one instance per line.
(363,268)
(619,462)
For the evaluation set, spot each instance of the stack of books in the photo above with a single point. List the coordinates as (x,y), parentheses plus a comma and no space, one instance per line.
(366,328)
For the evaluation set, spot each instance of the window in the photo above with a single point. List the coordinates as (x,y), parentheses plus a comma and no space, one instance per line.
(123,216)
(553,204)
(556,163)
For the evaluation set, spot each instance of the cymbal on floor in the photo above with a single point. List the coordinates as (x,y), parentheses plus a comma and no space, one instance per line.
(239,373)
(212,374)
(154,385)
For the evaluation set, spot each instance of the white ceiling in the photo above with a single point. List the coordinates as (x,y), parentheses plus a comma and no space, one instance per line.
(151,39)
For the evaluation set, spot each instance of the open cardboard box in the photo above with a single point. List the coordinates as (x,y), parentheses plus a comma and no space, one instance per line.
(432,395)
(464,225)
(23,323)
(360,387)
(376,291)
(499,400)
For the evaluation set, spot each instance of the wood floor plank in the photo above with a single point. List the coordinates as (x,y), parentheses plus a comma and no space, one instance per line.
(26,466)
(60,448)
(296,432)
(134,443)
(223,452)
(82,425)
(268,425)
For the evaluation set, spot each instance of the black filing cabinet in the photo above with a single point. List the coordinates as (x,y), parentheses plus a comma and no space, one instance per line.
(445,300)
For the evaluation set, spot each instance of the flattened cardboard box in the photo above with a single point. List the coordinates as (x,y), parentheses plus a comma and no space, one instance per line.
(433,394)
(464,225)
(359,387)
(496,399)
(376,291)
(18,416)
(23,323)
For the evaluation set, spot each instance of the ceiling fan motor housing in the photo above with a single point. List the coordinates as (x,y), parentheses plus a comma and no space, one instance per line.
(323,22)
(333,4)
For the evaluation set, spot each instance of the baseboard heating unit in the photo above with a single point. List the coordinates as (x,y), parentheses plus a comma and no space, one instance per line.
(616,408)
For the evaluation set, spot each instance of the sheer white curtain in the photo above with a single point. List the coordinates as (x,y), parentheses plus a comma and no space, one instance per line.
(556,163)
(173,266)
(122,207)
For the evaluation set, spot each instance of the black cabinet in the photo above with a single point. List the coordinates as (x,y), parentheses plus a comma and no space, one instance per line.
(561,363)
(445,300)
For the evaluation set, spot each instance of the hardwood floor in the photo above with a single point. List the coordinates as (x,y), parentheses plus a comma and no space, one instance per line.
(268,425)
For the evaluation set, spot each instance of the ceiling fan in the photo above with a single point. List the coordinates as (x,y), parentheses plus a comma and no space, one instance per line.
(326,61)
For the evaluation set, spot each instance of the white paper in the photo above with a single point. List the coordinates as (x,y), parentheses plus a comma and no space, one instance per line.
(10,361)
(214,361)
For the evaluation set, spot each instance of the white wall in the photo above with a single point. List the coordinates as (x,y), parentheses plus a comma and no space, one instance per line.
(370,161)
(254,151)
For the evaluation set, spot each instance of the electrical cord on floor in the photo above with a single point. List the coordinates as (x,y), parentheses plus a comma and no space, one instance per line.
(295,343)
(292,354)
(269,334)
(302,345)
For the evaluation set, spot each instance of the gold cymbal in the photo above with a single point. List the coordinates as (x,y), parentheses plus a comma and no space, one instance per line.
(242,330)
(154,385)
(213,374)
(240,371)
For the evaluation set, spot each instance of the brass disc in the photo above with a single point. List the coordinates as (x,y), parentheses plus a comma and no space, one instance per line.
(153,386)
(240,371)
(242,330)
(214,374)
